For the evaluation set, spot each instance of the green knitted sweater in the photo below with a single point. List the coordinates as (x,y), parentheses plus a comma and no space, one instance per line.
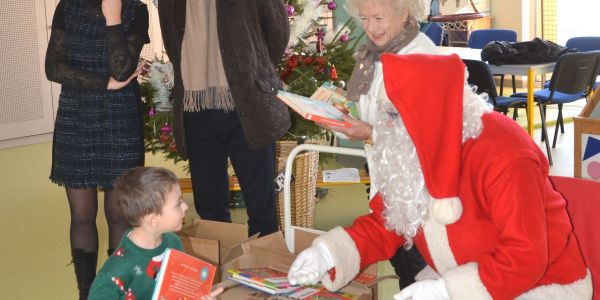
(130,272)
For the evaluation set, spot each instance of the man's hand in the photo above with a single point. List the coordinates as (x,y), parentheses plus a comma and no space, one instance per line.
(111,9)
(311,265)
(424,290)
(113,84)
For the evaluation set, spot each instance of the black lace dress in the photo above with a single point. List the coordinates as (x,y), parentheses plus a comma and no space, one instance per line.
(98,133)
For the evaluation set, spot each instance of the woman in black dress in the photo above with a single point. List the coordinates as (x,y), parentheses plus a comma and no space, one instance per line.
(93,53)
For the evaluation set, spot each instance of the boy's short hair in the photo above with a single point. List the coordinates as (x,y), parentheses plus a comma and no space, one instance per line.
(142,191)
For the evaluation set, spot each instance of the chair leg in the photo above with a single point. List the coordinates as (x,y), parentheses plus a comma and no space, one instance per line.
(562,121)
(514,84)
(515,113)
(502,85)
(544,132)
(559,123)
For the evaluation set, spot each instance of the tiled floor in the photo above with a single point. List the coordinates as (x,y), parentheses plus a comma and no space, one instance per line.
(34,219)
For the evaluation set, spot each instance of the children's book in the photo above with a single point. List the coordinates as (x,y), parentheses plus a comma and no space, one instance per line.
(266,279)
(313,109)
(183,276)
(336,96)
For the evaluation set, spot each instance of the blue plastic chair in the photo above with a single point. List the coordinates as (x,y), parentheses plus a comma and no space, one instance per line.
(435,32)
(582,44)
(572,77)
(479,38)
(585,43)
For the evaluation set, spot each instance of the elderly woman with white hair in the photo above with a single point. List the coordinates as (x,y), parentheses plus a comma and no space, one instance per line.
(391,26)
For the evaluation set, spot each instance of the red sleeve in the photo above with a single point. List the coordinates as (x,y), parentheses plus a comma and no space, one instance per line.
(373,241)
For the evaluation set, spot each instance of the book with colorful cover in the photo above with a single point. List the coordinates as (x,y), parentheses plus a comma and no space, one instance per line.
(313,109)
(183,276)
(336,96)
(265,279)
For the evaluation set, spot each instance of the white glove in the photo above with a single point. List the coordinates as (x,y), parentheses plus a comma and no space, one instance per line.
(424,289)
(311,265)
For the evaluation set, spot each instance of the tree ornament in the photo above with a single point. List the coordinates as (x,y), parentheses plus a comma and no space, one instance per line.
(344,38)
(341,83)
(166,129)
(333,74)
(151,112)
(290,10)
(331,5)
(320,34)
(164,138)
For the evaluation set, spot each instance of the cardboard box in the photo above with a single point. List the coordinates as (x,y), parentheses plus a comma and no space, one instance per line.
(271,251)
(211,241)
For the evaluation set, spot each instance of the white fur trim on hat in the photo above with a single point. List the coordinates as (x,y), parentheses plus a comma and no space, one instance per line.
(346,259)
(446,210)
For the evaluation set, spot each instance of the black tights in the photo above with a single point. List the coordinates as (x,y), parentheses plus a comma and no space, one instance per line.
(83,204)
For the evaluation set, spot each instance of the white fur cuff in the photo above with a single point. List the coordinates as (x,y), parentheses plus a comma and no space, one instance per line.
(346,259)
(463,282)
(446,210)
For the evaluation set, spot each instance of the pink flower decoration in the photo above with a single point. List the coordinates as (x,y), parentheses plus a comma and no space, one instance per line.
(151,112)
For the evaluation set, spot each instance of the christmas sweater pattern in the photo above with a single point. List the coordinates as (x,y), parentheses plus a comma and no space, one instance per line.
(130,273)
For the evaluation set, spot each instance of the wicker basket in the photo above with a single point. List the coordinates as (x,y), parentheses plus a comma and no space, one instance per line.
(303,187)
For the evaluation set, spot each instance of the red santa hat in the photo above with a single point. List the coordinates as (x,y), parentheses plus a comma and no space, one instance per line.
(427,91)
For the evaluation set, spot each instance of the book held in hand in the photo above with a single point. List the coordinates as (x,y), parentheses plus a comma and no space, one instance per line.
(336,96)
(313,109)
(183,276)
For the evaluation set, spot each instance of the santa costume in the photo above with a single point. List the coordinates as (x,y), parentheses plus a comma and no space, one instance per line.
(464,184)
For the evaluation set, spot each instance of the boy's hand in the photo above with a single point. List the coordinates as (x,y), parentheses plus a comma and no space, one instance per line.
(213,295)
(112,11)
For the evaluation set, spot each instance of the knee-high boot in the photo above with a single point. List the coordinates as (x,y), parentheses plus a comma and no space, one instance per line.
(85,270)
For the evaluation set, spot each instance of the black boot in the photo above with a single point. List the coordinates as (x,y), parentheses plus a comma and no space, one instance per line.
(85,270)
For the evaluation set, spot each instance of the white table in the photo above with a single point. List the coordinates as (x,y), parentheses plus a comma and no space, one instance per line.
(529,70)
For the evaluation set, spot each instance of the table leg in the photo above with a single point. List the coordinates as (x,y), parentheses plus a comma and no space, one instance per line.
(530,79)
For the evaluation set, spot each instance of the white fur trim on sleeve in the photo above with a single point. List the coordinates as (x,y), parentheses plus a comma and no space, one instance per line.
(577,290)
(463,282)
(447,210)
(346,259)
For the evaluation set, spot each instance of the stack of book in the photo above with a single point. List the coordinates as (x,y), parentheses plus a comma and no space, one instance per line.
(274,282)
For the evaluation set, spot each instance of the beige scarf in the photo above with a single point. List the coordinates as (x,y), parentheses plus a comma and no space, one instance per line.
(202,70)
(369,53)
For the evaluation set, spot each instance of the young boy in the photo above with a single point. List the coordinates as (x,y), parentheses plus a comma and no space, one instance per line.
(150,200)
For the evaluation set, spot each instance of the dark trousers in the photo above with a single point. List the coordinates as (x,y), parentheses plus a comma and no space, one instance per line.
(407,263)
(213,136)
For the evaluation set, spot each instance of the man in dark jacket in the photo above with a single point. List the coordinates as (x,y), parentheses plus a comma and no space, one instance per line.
(224,54)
